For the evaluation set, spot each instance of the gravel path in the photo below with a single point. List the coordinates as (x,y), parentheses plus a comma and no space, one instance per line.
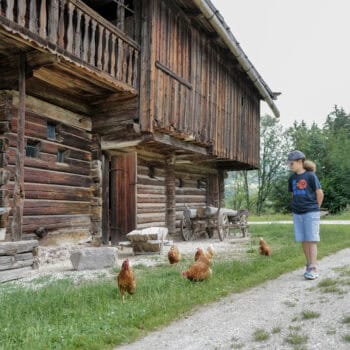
(277,308)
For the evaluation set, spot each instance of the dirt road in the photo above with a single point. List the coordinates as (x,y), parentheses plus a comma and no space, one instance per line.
(292,312)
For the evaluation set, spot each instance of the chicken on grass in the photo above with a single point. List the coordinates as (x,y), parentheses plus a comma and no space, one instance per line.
(264,249)
(126,279)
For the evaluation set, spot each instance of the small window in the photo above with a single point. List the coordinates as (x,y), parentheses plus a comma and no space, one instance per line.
(51,131)
(60,156)
(180,183)
(32,149)
(151,172)
(201,184)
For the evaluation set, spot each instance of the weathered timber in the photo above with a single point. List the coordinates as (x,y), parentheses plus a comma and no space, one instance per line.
(18,192)
(14,274)
(13,264)
(105,199)
(170,194)
(13,248)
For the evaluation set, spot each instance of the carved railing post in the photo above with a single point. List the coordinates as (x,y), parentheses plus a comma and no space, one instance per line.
(33,17)
(53,21)
(43,19)
(77,41)
(21,10)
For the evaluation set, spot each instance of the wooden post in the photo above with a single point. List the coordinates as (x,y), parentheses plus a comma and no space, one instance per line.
(170,214)
(105,199)
(18,192)
(221,187)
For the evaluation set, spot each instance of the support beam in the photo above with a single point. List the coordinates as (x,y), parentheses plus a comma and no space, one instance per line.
(170,214)
(18,192)
(105,199)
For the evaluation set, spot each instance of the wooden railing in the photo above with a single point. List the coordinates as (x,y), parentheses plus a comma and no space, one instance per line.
(76,28)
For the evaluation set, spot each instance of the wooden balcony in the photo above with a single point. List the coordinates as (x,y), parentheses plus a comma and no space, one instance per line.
(72,37)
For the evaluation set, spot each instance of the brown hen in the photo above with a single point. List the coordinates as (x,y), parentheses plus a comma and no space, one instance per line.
(174,255)
(199,270)
(264,249)
(126,279)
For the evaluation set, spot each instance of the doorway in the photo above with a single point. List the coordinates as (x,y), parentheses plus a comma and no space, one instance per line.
(119,197)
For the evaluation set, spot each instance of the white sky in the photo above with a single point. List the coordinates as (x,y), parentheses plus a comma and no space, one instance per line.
(300,47)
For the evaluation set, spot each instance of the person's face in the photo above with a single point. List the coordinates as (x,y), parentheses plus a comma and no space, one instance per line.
(296,165)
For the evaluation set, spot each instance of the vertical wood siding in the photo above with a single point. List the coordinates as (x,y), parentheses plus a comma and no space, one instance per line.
(197,91)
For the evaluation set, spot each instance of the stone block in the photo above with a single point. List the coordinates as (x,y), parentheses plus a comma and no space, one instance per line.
(94,258)
(150,246)
(151,233)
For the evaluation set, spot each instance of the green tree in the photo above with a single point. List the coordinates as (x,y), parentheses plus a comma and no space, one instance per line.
(275,144)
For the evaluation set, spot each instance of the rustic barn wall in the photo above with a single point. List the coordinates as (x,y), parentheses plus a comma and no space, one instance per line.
(151,198)
(60,180)
(191,185)
(196,90)
(191,189)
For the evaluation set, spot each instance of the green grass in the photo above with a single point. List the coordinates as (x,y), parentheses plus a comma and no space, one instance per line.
(91,315)
(276,330)
(288,217)
(330,285)
(346,319)
(346,338)
(260,335)
(307,314)
(296,339)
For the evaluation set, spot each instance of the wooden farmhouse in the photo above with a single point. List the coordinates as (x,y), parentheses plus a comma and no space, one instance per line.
(118,114)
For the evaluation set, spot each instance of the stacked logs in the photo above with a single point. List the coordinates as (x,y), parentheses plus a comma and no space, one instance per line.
(17,259)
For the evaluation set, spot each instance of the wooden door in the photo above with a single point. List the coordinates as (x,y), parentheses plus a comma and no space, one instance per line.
(122,196)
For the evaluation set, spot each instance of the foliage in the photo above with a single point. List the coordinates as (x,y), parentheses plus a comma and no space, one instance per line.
(91,315)
(252,189)
(329,148)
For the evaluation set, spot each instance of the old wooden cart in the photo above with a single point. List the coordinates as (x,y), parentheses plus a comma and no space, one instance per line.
(211,220)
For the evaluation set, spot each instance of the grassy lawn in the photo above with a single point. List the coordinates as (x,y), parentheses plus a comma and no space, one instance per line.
(345,215)
(91,315)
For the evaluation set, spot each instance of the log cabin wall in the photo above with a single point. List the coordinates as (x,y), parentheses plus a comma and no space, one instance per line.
(191,190)
(151,198)
(61,180)
(196,91)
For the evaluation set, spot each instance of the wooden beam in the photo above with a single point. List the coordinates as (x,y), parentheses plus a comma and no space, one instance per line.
(105,199)
(173,75)
(107,145)
(170,191)
(171,141)
(18,192)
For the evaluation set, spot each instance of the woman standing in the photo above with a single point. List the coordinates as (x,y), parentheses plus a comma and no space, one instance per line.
(307,197)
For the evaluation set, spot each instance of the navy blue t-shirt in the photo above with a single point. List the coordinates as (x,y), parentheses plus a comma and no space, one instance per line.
(304,188)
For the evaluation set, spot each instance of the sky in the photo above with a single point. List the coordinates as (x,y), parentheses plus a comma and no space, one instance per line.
(301,48)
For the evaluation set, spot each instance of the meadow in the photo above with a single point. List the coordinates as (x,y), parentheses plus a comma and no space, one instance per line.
(91,315)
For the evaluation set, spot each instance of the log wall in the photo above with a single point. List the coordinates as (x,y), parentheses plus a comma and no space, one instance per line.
(191,185)
(61,196)
(151,198)
(196,90)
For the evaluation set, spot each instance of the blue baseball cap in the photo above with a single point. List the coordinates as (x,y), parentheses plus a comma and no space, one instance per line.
(295,155)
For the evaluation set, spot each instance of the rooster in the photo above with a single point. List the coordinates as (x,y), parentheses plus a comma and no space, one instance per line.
(198,271)
(264,249)
(125,279)
(174,255)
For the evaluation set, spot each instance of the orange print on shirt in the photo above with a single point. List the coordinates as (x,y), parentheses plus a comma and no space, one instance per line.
(302,184)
